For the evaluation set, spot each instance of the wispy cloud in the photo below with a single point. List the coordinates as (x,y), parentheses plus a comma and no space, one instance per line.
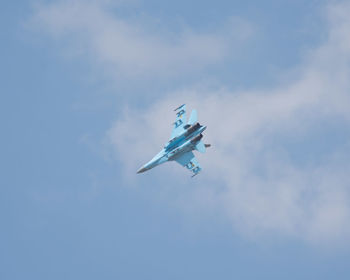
(131,48)
(254,178)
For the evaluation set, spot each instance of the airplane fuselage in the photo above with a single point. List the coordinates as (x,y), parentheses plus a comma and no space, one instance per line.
(177,146)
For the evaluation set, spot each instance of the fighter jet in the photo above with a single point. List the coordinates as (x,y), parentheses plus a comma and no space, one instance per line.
(185,137)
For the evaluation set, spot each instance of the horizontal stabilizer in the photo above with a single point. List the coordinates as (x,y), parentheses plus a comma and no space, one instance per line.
(193,118)
(200,147)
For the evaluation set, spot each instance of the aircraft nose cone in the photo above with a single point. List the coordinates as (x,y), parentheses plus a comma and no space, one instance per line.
(142,169)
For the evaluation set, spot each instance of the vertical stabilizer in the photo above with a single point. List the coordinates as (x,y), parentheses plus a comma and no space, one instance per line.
(193,118)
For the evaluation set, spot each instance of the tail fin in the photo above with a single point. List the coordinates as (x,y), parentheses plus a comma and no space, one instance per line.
(193,118)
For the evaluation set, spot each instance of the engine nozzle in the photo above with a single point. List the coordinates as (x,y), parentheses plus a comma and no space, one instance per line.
(197,138)
(193,128)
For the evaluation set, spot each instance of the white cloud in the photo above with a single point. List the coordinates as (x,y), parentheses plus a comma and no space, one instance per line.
(134,49)
(249,175)
(253,178)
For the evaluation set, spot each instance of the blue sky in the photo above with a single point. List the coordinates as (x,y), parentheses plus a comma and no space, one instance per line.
(87,93)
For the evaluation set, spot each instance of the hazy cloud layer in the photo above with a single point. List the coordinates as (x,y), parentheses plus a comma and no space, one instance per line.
(131,48)
(250,174)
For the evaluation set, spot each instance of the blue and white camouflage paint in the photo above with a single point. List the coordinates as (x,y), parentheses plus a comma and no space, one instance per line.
(185,137)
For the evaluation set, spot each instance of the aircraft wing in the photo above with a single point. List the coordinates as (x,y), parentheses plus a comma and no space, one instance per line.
(180,121)
(189,161)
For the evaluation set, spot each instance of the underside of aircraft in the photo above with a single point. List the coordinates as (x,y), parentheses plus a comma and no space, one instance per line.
(186,137)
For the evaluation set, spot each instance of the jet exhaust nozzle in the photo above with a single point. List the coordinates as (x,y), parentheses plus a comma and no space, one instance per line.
(193,128)
(197,138)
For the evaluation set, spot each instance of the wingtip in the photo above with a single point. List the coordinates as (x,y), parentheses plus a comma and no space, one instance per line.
(179,107)
(197,172)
